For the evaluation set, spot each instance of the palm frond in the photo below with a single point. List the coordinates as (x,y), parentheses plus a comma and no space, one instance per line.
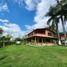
(49,20)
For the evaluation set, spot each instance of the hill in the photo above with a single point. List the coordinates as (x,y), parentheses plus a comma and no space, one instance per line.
(33,56)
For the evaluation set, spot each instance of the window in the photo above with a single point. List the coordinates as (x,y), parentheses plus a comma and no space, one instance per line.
(49,34)
(40,31)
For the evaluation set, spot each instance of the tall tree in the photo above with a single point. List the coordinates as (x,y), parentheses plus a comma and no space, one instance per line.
(58,12)
(53,20)
(62,13)
(5,40)
(1,31)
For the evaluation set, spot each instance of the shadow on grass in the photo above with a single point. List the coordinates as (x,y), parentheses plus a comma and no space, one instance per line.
(3,57)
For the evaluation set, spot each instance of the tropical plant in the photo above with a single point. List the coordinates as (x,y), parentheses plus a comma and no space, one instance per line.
(5,40)
(57,13)
(53,20)
(62,13)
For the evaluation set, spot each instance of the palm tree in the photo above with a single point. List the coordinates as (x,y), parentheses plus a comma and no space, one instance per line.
(58,12)
(53,20)
(62,13)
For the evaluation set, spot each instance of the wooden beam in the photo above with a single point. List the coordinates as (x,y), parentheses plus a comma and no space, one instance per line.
(35,39)
(42,40)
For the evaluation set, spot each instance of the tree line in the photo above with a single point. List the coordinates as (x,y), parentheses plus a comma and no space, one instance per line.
(6,40)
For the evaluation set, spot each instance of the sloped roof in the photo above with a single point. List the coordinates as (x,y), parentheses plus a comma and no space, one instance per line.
(41,29)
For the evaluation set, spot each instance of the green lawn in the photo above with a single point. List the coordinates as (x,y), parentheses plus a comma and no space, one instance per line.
(33,56)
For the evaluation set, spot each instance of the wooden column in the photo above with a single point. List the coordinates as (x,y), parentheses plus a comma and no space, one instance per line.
(42,40)
(35,40)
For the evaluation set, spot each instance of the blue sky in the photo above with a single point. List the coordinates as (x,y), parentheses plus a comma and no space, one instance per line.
(16,14)
(18,17)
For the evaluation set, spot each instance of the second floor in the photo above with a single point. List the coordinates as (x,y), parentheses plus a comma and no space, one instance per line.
(42,32)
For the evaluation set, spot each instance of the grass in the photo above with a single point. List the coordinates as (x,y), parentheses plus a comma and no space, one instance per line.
(33,56)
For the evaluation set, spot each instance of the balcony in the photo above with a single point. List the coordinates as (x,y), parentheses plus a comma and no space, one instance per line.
(41,35)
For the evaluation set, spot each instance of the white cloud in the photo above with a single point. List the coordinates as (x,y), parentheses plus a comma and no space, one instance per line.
(66,26)
(12,29)
(40,24)
(31,4)
(19,2)
(60,27)
(41,9)
(40,6)
(4,7)
(4,20)
(28,4)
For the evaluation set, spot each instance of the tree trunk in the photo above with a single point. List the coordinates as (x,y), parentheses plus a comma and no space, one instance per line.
(64,32)
(57,32)
(3,44)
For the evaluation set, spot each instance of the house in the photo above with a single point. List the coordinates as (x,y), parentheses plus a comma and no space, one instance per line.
(62,37)
(42,36)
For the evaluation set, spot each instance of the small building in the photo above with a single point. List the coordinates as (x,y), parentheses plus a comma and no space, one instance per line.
(62,37)
(42,36)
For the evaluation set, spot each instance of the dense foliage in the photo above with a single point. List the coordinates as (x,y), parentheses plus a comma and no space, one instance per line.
(56,13)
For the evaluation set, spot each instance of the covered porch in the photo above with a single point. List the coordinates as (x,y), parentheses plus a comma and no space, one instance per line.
(36,40)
